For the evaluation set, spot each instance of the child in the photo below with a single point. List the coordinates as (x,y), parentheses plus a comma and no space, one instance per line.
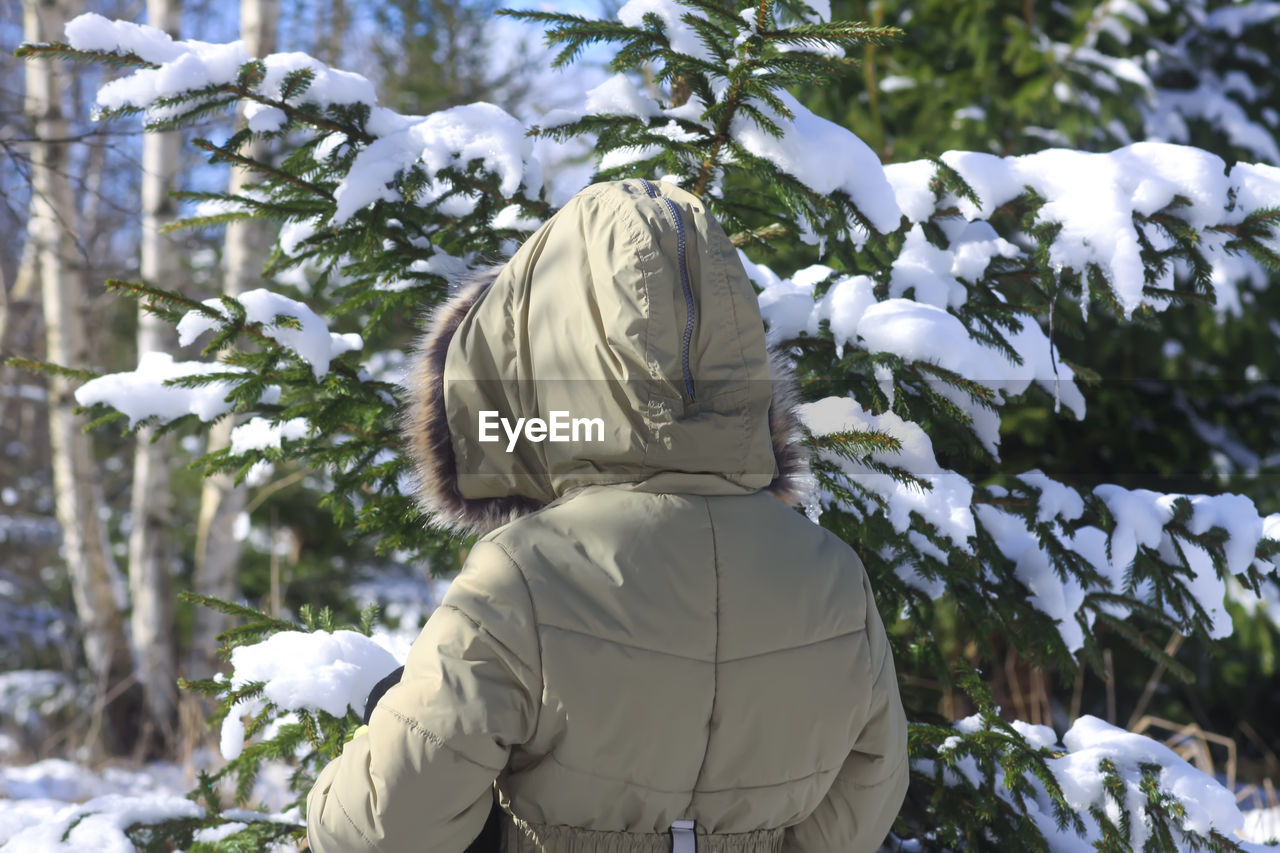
(648,649)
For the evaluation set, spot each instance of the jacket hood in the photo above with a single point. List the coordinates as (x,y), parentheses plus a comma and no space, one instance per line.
(627,326)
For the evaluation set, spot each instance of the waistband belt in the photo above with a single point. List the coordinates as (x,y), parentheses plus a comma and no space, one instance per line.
(522,836)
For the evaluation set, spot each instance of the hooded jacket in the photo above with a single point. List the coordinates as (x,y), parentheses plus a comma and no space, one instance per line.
(646,631)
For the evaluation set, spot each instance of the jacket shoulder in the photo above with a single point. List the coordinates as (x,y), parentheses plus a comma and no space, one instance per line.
(491,592)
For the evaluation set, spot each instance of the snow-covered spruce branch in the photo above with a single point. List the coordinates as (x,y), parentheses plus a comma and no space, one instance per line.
(941,282)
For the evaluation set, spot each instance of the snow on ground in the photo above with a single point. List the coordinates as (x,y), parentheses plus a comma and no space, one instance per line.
(1262,825)
(58,779)
(39,801)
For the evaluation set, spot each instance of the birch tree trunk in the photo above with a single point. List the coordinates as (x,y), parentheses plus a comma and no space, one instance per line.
(221,503)
(97,588)
(151,548)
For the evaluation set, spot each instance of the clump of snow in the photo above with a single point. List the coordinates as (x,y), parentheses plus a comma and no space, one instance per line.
(293,233)
(264,119)
(933,274)
(1235,514)
(910,182)
(946,502)
(918,331)
(925,269)
(260,433)
(1210,102)
(628,154)
(100,823)
(313,342)
(1140,518)
(1094,197)
(1058,599)
(973,112)
(682,37)
(806,152)
(328,85)
(259,473)
(451,137)
(1256,185)
(211,834)
(1209,806)
(973,245)
(896,83)
(319,671)
(1056,499)
(184,65)
(141,393)
(510,216)
(619,96)
(1235,19)
(691,110)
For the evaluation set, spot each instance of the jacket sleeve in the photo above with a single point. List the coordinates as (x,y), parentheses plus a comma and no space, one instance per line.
(421,778)
(858,810)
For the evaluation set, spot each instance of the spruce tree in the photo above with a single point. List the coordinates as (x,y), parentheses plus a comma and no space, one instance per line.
(1164,416)
(918,302)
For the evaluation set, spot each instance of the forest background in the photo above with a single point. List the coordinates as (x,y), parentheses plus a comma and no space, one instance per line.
(1182,401)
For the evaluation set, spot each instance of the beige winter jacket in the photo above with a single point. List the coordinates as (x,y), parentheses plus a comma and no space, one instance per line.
(648,631)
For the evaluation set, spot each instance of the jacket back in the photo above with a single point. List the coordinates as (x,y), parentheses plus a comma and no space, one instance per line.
(717,657)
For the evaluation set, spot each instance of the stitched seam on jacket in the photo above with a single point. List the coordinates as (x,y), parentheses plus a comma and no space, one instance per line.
(715,669)
(359,832)
(782,784)
(537,635)
(633,783)
(613,642)
(832,638)
(433,738)
(630,783)
(475,623)
(888,649)
(884,659)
